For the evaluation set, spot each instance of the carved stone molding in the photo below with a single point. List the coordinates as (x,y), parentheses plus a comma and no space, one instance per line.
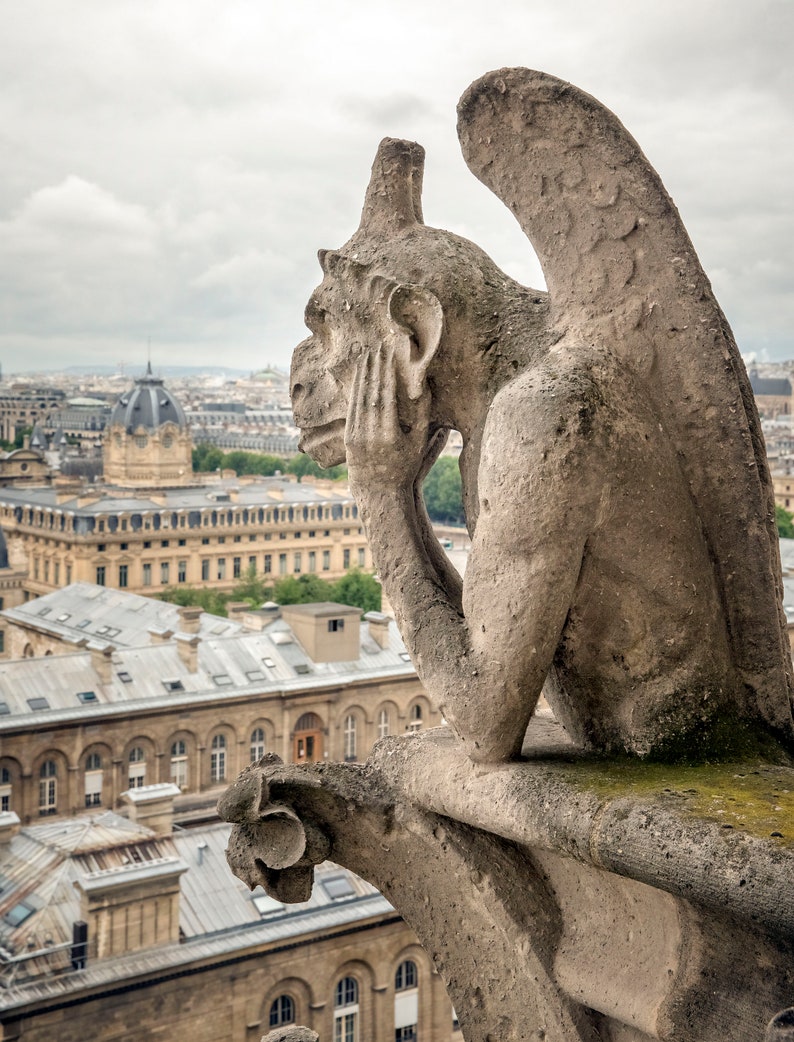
(551,910)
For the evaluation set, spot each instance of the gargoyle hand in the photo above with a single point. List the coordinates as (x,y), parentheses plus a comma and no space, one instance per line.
(387,436)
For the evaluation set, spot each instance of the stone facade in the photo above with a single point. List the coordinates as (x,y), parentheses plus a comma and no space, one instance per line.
(78,729)
(206,535)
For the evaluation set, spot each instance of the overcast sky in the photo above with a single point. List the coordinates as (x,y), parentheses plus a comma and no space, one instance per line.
(170,167)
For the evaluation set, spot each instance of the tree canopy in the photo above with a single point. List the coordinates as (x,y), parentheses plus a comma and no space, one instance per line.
(207,457)
(443,493)
(356,588)
(785,523)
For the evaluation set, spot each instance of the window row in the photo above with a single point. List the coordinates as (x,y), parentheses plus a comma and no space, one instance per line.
(346,1007)
(57,521)
(217,568)
(142,766)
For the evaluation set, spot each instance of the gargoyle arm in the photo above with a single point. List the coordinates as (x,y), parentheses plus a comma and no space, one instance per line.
(485,663)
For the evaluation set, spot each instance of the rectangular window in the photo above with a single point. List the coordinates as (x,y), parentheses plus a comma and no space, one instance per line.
(326,560)
(100,575)
(164,573)
(182,542)
(124,546)
(205,568)
(362,557)
(68,575)
(123,571)
(237,567)
(205,540)
(334,625)
(346,558)
(268,564)
(147,544)
(312,561)
(56,578)
(252,563)
(181,572)
(136,776)
(296,567)
(147,575)
(221,567)
(282,564)
(164,542)
(2,641)
(46,571)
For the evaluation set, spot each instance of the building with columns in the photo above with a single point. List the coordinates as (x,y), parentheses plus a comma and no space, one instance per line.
(151,524)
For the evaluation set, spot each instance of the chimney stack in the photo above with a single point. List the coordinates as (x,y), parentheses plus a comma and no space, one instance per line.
(102,660)
(9,827)
(378,627)
(190,618)
(187,646)
(236,609)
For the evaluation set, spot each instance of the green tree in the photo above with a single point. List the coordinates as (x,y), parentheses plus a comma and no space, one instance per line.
(252,588)
(442,492)
(359,589)
(206,458)
(303,465)
(306,589)
(785,523)
(212,601)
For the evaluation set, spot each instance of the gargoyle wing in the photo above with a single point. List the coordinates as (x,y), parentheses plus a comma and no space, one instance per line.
(622,273)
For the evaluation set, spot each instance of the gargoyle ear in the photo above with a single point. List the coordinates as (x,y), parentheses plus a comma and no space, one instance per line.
(420,317)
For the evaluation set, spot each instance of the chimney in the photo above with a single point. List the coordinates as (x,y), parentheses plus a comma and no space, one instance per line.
(101,660)
(160,634)
(378,627)
(236,609)
(190,618)
(9,827)
(25,441)
(187,646)
(153,806)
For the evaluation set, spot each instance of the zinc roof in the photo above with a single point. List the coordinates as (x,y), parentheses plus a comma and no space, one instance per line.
(39,692)
(83,611)
(217,912)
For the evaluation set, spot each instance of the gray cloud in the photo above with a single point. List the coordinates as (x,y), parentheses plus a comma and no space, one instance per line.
(171,169)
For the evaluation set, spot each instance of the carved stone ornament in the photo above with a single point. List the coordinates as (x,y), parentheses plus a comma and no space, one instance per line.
(624,560)
(624,552)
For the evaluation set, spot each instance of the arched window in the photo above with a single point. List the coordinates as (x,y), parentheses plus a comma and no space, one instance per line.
(93,780)
(179,764)
(48,788)
(346,1010)
(136,772)
(350,737)
(257,744)
(218,759)
(5,790)
(415,718)
(406,1002)
(384,725)
(406,976)
(282,1011)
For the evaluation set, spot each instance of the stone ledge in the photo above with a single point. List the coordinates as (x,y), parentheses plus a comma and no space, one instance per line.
(638,820)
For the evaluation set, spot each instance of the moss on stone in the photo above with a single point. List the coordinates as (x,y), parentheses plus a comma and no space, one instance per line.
(750,796)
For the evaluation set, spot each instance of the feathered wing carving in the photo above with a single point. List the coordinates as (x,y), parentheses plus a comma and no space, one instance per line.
(622,272)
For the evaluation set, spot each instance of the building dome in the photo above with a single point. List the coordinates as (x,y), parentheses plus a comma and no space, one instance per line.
(147,442)
(149,404)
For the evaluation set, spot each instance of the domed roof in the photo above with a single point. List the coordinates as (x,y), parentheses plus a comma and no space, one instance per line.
(147,405)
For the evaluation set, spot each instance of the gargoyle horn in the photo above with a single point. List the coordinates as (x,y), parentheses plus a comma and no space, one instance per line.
(394,195)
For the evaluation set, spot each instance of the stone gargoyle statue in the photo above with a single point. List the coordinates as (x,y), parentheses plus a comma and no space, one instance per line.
(624,553)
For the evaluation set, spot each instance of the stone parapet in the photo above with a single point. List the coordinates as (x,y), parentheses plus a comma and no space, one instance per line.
(561,897)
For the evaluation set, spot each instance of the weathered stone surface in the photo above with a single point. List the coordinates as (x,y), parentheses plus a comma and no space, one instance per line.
(291,1034)
(615,482)
(552,906)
